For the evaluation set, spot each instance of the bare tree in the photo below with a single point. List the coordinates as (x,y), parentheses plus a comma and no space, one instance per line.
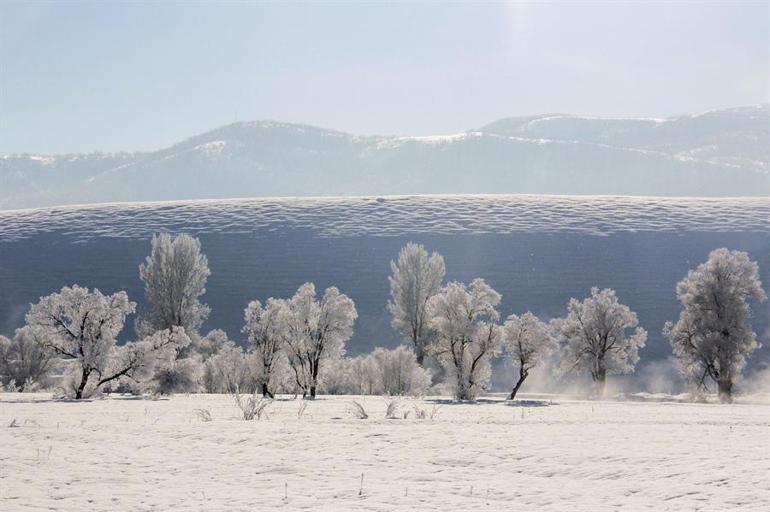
(467,334)
(265,328)
(24,361)
(82,326)
(174,276)
(593,337)
(415,278)
(713,337)
(527,341)
(316,331)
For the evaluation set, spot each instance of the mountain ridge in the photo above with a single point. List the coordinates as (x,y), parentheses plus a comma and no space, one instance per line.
(717,153)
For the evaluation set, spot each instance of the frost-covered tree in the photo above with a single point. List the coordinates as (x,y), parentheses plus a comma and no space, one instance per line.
(211,343)
(397,372)
(24,361)
(82,326)
(231,370)
(593,337)
(416,277)
(527,341)
(467,334)
(172,368)
(316,331)
(339,376)
(362,376)
(145,358)
(265,327)
(174,276)
(713,337)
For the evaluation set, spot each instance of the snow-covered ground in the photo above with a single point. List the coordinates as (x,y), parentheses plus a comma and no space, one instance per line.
(543,453)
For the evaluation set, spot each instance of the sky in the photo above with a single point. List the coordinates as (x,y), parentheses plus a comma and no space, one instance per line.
(110,76)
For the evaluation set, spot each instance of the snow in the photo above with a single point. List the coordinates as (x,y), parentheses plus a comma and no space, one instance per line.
(546,119)
(440,139)
(540,454)
(44,160)
(213,148)
(397,215)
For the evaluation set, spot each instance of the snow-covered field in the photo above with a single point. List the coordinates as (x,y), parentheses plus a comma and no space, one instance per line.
(543,453)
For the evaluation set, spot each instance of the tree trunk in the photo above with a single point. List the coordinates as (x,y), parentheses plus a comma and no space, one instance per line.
(266,392)
(522,377)
(725,391)
(82,385)
(419,354)
(314,377)
(462,390)
(600,379)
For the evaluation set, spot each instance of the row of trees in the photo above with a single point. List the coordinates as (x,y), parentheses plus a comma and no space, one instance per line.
(298,343)
(458,325)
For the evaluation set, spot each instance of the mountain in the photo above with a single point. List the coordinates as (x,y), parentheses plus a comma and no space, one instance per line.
(537,251)
(717,153)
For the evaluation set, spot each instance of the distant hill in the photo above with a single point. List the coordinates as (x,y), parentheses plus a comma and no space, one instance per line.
(718,153)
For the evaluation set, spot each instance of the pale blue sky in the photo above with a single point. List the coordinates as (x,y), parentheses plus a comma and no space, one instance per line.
(82,76)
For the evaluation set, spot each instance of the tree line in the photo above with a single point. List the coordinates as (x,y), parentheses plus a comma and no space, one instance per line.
(452,332)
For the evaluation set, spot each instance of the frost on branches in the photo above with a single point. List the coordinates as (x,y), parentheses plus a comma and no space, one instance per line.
(392,372)
(593,337)
(527,341)
(467,335)
(397,373)
(82,326)
(266,329)
(24,362)
(415,278)
(316,331)
(213,342)
(174,276)
(713,337)
(169,364)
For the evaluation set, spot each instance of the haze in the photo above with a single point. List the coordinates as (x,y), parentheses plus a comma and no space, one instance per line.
(86,76)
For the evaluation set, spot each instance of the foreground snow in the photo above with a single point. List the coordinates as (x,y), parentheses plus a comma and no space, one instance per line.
(537,454)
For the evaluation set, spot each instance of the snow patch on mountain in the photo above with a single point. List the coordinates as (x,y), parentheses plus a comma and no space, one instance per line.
(213,148)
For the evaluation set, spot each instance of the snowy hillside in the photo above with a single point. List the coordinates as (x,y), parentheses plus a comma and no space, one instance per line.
(537,251)
(717,153)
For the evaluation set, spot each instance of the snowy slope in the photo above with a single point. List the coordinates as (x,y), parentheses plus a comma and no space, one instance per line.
(538,251)
(717,153)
